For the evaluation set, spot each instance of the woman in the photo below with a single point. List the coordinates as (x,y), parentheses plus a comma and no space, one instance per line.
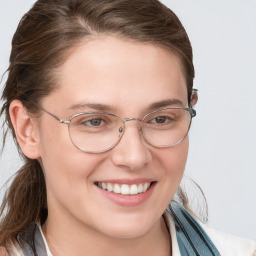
(99,98)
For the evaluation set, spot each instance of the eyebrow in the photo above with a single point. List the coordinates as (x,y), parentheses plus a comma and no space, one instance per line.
(166,103)
(95,106)
(108,108)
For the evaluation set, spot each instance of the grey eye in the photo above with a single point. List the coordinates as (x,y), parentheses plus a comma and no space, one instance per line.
(95,122)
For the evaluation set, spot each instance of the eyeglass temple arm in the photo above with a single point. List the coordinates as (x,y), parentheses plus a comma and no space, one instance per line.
(192,111)
(57,118)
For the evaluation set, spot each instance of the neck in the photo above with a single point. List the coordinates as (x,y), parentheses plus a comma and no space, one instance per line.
(70,237)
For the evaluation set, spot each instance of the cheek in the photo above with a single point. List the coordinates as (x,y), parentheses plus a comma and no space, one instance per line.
(168,167)
(69,182)
(70,169)
(67,170)
(174,158)
(173,161)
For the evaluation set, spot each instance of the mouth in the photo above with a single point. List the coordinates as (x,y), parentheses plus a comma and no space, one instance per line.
(125,189)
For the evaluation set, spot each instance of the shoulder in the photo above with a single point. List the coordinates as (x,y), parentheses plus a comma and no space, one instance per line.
(229,245)
(3,251)
(13,250)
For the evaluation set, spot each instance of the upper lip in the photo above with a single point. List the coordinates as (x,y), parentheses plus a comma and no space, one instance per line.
(126,181)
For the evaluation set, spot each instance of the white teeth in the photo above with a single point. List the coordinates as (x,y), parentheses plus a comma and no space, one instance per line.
(117,189)
(125,189)
(109,187)
(134,190)
(140,188)
(103,185)
(145,186)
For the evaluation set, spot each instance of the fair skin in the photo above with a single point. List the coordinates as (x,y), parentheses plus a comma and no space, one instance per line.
(128,77)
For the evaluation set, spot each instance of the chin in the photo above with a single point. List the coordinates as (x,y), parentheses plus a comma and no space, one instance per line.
(128,229)
(126,233)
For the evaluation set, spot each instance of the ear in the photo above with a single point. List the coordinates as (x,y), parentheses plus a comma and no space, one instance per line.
(26,130)
(194,97)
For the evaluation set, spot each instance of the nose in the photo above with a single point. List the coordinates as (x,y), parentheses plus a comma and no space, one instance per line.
(131,152)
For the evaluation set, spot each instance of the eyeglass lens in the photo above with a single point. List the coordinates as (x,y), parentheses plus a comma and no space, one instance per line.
(98,132)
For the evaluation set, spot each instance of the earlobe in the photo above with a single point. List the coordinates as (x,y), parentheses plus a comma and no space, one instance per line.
(25,130)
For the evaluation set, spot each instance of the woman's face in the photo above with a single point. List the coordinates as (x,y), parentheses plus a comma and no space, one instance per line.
(127,78)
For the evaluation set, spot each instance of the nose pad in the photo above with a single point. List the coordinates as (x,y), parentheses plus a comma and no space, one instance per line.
(122,128)
(131,151)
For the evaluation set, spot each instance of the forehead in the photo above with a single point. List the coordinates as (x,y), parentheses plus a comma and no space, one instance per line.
(120,73)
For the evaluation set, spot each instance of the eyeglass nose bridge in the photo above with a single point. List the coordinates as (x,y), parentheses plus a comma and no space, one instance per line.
(131,119)
(121,129)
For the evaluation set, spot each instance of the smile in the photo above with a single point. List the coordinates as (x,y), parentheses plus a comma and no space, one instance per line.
(124,189)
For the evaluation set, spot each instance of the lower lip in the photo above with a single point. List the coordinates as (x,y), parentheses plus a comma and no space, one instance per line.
(128,200)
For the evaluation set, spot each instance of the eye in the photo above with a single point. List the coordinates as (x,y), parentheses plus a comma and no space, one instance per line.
(96,122)
(161,119)
(165,119)
(89,122)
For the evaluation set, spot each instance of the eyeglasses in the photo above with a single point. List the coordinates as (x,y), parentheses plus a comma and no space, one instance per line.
(97,132)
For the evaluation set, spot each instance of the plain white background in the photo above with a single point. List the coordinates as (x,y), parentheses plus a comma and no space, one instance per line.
(222,157)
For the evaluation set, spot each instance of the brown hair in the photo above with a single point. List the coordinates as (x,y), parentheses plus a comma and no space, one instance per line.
(40,45)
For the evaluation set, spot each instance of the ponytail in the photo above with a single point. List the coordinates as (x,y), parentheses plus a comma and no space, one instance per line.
(24,202)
